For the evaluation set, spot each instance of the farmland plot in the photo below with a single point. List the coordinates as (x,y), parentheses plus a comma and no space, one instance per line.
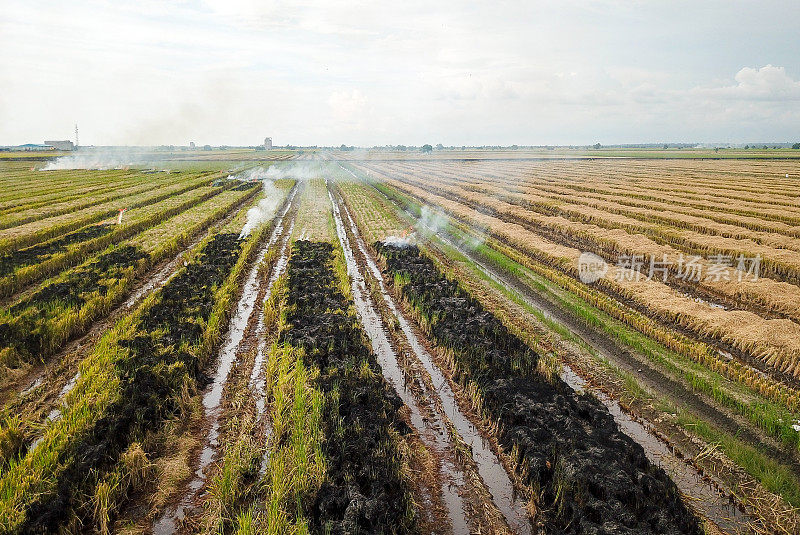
(329,353)
(698,378)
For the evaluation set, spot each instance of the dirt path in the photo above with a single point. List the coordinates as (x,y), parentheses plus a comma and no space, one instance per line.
(434,397)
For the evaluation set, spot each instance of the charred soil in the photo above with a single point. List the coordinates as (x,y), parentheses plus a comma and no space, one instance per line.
(589,476)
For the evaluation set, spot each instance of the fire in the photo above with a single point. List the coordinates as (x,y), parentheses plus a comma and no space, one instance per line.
(119,217)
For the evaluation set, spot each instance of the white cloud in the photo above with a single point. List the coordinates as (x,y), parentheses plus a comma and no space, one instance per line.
(767,83)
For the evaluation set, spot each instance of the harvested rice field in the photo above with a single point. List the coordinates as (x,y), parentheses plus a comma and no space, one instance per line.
(338,342)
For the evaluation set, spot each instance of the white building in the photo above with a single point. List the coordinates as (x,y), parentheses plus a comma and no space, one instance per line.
(268,143)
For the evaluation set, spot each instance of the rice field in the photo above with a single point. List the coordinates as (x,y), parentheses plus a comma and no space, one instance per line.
(320,342)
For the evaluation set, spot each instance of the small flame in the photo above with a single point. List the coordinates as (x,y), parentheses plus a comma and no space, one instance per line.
(119,217)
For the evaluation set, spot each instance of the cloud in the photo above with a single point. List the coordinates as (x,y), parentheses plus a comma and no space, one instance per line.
(766,83)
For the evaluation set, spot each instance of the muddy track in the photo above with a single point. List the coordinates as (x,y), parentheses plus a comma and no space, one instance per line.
(241,337)
(446,422)
(38,391)
(690,289)
(428,423)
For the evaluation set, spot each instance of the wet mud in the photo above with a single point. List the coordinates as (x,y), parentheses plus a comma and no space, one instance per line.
(431,427)
(489,469)
(240,325)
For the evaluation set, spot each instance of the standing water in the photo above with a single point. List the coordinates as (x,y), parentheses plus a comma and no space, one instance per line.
(701,494)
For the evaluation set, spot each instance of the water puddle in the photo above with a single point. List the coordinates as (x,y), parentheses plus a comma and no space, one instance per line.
(157,280)
(257,381)
(700,492)
(33,386)
(711,304)
(212,397)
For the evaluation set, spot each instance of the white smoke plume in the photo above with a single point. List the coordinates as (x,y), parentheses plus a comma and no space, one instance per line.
(399,241)
(265,209)
(295,170)
(431,221)
(100,159)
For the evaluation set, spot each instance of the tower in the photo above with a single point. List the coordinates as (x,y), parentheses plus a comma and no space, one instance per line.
(76,135)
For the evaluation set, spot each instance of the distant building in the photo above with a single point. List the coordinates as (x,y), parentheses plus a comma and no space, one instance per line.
(192,145)
(61,145)
(268,143)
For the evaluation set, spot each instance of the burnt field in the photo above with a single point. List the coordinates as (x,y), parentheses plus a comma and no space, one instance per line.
(160,360)
(587,475)
(363,486)
(344,347)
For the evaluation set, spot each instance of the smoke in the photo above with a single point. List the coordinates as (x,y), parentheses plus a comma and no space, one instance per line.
(398,241)
(265,209)
(100,159)
(295,170)
(431,221)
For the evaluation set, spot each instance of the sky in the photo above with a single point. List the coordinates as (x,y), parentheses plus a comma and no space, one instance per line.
(412,72)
